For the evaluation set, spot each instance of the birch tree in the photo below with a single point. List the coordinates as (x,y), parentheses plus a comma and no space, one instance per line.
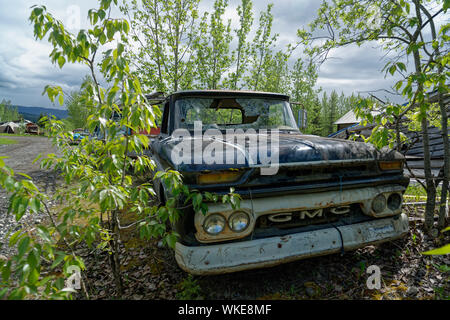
(262,48)
(302,83)
(242,52)
(164,33)
(403,28)
(213,57)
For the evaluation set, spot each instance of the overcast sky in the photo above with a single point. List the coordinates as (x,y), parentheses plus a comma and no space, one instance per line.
(25,67)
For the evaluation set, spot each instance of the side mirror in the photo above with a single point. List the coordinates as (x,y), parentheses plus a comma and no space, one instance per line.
(302,115)
(302,119)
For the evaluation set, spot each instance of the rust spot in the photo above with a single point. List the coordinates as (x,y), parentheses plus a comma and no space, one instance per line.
(280,245)
(206,262)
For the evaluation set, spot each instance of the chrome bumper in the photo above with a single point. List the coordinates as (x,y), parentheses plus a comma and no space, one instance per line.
(244,255)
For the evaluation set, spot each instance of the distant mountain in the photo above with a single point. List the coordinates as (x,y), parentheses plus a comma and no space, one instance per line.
(33,113)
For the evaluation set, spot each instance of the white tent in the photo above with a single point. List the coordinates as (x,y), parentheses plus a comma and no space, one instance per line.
(9,127)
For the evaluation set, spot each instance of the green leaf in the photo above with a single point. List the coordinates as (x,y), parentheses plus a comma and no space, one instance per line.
(125,26)
(401,66)
(15,237)
(439,251)
(58,260)
(392,69)
(35,205)
(61,61)
(23,246)
(23,175)
(171,240)
(110,31)
(34,276)
(61,99)
(44,233)
(446,5)
(101,14)
(6,271)
(3,293)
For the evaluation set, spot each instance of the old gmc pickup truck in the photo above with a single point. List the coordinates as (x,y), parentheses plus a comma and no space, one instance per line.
(302,195)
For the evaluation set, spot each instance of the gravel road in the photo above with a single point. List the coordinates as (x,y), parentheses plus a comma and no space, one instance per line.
(20,158)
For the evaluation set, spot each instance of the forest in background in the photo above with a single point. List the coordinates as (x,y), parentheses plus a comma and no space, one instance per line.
(8,112)
(175,47)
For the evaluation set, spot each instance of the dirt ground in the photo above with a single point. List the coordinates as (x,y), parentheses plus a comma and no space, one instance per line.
(150,271)
(19,157)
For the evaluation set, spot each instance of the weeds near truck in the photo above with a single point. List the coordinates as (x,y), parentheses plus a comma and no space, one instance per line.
(189,289)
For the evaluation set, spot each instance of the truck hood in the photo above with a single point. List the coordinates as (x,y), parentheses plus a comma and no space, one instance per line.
(293,148)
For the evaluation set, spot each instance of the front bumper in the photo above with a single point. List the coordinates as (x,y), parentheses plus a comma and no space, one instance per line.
(244,255)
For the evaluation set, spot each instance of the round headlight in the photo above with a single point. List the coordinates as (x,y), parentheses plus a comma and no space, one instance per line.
(394,201)
(239,221)
(379,203)
(214,224)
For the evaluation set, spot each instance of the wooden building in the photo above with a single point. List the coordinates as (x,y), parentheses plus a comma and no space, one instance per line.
(348,125)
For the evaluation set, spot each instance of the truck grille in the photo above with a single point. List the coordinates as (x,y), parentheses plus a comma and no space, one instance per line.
(307,217)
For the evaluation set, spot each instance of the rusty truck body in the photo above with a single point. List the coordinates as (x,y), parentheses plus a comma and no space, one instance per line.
(325,196)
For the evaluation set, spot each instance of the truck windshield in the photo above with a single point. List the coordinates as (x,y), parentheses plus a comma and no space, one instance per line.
(224,113)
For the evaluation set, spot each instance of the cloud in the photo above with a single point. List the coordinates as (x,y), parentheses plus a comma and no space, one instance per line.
(356,70)
(25,67)
(24,62)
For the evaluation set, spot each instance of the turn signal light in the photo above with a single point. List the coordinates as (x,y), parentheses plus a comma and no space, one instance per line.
(391,165)
(218,177)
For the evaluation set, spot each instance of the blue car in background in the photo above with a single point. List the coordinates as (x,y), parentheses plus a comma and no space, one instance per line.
(78,135)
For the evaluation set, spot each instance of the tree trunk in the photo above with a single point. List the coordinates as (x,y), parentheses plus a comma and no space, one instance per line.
(114,257)
(443,210)
(158,49)
(431,187)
